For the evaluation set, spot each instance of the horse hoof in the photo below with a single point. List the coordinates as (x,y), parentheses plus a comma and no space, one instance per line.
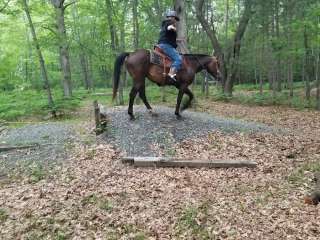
(153,114)
(178,116)
(132,118)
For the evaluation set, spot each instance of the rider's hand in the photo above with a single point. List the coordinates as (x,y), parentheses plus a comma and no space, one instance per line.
(171,27)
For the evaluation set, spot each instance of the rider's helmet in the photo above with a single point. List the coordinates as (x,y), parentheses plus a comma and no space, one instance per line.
(171,13)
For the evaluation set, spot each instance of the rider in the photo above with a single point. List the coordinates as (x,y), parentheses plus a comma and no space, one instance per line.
(168,42)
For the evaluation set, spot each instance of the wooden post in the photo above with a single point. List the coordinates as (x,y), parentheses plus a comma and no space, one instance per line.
(96,113)
(100,117)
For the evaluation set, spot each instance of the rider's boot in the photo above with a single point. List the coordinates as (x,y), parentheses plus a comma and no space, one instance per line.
(172,74)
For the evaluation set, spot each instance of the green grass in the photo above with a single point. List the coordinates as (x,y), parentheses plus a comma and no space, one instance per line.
(3,215)
(193,222)
(37,173)
(16,105)
(298,176)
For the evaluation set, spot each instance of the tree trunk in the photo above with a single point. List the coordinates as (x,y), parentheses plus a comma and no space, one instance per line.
(308,63)
(63,47)
(318,79)
(228,64)
(112,29)
(82,54)
(235,54)
(159,7)
(278,86)
(179,7)
(41,60)
(289,40)
(226,23)
(135,24)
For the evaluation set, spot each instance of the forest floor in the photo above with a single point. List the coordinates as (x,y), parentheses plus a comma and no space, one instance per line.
(92,195)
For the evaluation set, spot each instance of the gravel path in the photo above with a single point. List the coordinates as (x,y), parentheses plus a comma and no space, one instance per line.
(147,134)
(52,139)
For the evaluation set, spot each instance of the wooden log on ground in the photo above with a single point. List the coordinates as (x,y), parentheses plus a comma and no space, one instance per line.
(190,163)
(9,148)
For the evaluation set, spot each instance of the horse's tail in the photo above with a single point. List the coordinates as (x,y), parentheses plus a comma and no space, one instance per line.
(117,71)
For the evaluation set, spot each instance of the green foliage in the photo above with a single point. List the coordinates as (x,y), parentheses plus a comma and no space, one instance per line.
(193,222)
(263,50)
(298,176)
(37,172)
(3,215)
(25,103)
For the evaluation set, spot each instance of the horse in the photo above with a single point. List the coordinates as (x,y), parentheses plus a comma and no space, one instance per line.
(139,67)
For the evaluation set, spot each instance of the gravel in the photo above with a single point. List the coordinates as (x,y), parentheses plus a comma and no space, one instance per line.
(147,134)
(52,142)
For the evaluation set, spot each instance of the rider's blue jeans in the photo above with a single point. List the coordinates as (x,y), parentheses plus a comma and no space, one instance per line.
(173,54)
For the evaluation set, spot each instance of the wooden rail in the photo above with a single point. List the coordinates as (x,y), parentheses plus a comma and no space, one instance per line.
(189,163)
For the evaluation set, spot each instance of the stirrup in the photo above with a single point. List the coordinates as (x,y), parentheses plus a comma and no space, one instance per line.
(173,77)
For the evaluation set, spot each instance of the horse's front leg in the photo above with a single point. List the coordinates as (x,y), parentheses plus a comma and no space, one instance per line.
(179,98)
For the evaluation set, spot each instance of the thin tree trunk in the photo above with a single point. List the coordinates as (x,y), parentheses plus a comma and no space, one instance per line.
(82,53)
(135,24)
(226,23)
(228,64)
(278,86)
(308,63)
(41,60)
(159,7)
(289,40)
(318,71)
(63,46)
(112,28)
(318,81)
(179,6)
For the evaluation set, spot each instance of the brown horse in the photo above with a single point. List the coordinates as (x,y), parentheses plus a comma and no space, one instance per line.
(139,66)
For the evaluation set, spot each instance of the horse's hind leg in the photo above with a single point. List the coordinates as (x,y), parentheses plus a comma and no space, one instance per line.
(142,95)
(188,103)
(132,96)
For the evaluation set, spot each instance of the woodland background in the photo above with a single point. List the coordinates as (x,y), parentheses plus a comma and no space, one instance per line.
(269,50)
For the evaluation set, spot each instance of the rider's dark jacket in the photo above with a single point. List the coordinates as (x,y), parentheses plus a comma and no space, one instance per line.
(168,36)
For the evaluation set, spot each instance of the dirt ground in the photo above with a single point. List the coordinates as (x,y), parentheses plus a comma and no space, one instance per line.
(94,196)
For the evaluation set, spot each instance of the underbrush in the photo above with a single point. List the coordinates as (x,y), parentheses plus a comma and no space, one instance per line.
(19,104)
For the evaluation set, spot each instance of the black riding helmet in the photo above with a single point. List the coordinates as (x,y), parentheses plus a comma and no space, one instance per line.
(171,13)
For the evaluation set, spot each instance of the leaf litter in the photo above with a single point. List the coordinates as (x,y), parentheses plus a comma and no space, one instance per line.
(94,196)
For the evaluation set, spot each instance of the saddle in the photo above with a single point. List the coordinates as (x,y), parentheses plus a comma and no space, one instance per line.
(158,57)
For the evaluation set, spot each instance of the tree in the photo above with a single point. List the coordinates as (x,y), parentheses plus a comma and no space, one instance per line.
(41,60)
(179,7)
(229,63)
(60,7)
(4,6)
(82,51)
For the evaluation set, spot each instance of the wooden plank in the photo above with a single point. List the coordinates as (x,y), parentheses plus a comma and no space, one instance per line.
(128,160)
(190,163)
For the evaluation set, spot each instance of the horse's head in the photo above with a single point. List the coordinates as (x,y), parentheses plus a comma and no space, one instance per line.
(213,68)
